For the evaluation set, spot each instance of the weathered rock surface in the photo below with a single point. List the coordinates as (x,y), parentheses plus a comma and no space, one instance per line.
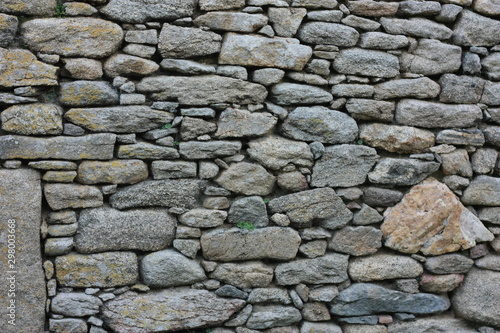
(286,21)
(8,31)
(344,166)
(251,274)
(115,172)
(164,193)
(197,150)
(449,264)
(416,27)
(184,42)
(358,61)
(73,37)
(108,269)
(292,94)
(439,284)
(447,226)
(138,11)
(356,241)
(203,218)
(68,324)
(40,8)
(87,93)
(437,325)
(431,57)
(460,89)
(328,34)
(234,123)
(263,243)
(263,52)
(144,150)
(247,178)
(473,29)
(25,70)
(382,41)
(231,21)
(368,109)
(331,268)
(398,171)
(249,209)
(273,316)
(384,267)
(482,191)
(168,310)
(60,196)
(128,65)
(33,119)
(75,304)
(108,229)
(417,88)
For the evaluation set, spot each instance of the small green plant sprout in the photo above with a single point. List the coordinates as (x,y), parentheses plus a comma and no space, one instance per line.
(360,141)
(209,330)
(60,9)
(166,126)
(266,200)
(176,143)
(245,225)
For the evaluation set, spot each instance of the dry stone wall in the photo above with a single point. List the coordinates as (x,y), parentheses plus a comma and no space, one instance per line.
(244,166)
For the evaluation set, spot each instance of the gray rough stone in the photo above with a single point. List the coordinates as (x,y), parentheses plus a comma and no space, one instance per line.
(144,150)
(41,8)
(75,304)
(382,41)
(473,29)
(384,267)
(367,215)
(203,218)
(169,268)
(268,76)
(119,119)
(365,299)
(293,94)
(142,36)
(401,172)
(492,135)
(67,325)
(471,63)
(221,4)
(275,152)
(490,214)
(476,298)
(456,163)
(83,68)
(460,89)
(262,295)
(203,90)
(249,209)
(331,268)
(108,229)
(308,327)
(251,274)
(484,160)
(241,318)
(466,137)
(491,64)
(417,88)
(328,34)
(33,119)
(490,262)
(273,316)
(247,178)
(431,57)
(128,65)
(188,247)
(187,66)
(104,270)
(323,294)
(139,11)
(482,191)
(437,325)
(231,291)
(361,23)
(164,193)
(73,37)
(416,27)
(114,172)
(185,42)
(263,52)
(356,241)
(319,124)
(343,166)
(352,90)
(487,7)
(286,21)
(315,4)
(417,8)
(61,196)
(381,197)
(168,310)
(8,31)
(58,246)
(173,169)
(21,203)
(436,115)
(313,249)
(231,21)
(197,150)
(24,70)
(264,243)
(490,93)
(358,61)
(234,123)
(373,9)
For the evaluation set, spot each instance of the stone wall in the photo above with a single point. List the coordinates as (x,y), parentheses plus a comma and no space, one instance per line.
(252,166)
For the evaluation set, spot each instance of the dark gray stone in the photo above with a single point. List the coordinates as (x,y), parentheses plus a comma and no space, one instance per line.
(460,89)
(418,88)
(231,292)
(198,150)
(473,29)
(249,209)
(482,191)
(358,61)
(394,171)
(331,268)
(328,34)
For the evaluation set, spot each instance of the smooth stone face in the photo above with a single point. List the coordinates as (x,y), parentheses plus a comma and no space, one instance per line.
(356,241)
(87,93)
(331,268)
(365,299)
(42,7)
(183,42)
(275,152)
(251,274)
(127,65)
(343,166)
(33,119)
(203,218)
(263,52)
(472,29)
(119,119)
(418,88)
(475,299)
(384,267)
(231,21)
(168,310)
(73,37)
(203,90)
(482,191)
(431,57)
(21,201)
(197,150)
(273,316)
(108,269)
(114,172)
(247,178)
(139,11)
(437,325)
(358,61)
(249,209)
(319,124)
(398,139)
(436,115)
(61,196)
(164,193)
(490,214)
(448,225)
(263,243)
(25,70)
(416,27)
(75,304)
(234,123)
(401,171)
(108,229)
(169,268)
(328,34)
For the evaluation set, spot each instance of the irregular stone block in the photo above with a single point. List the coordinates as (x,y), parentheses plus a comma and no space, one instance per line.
(60,196)
(107,229)
(439,284)
(249,209)
(449,264)
(367,109)
(292,93)
(460,89)
(173,169)
(140,11)
(168,310)
(275,152)
(104,270)
(83,68)
(8,24)
(203,218)
(208,5)
(231,21)
(491,64)
(198,150)
(21,271)
(203,90)
(234,123)
(371,8)
(431,57)
(473,29)
(68,325)
(416,8)
(25,70)
(482,191)
(263,243)
(263,52)
(251,274)
(273,316)
(247,178)
(358,61)
(331,268)
(75,304)
(33,119)
(185,42)
(356,241)
(286,21)
(127,65)
(313,4)
(144,150)
(381,41)
(447,226)
(114,172)
(401,171)
(416,27)
(384,267)
(328,34)
(73,37)
(418,88)
(437,325)
(164,193)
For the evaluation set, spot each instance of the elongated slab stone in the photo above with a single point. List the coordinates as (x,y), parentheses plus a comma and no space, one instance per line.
(95,147)
(483,191)
(237,244)
(331,268)
(164,193)
(139,11)
(30,8)
(119,119)
(203,90)
(60,196)
(73,37)
(197,150)
(114,172)
(108,269)
(24,69)
(107,229)
(168,310)
(263,52)
(21,277)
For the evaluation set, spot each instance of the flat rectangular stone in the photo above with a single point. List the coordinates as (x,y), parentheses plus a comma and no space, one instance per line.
(20,215)
(88,147)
